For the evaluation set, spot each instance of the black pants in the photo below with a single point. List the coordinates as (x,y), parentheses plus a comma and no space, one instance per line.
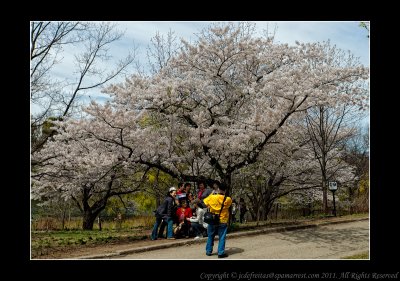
(184,231)
(198,229)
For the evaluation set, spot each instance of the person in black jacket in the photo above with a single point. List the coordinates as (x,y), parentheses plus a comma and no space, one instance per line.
(165,212)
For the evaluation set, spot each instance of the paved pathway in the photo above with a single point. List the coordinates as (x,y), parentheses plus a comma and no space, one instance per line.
(324,242)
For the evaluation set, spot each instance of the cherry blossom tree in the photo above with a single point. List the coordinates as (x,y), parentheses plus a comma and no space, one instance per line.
(220,104)
(75,166)
(221,101)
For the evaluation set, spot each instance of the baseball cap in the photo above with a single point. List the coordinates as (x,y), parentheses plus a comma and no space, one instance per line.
(172,189)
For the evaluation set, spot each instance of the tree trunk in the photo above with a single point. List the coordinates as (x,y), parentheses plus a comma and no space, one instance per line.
(90,213)
(69,215)
(351,199)
(253,213)
(63,218)
(267,203)
(88,220)
(99,222)
(258,215)
(227,182)
(267,210)
(324,197)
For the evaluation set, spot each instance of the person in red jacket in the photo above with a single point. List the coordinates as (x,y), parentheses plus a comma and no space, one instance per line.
(184,213)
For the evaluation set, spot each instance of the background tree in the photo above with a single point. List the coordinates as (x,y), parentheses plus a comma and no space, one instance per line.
(330,125)
(286,166)
(161,50)
(357,154)
(329,129)
(158,184)
(60,210)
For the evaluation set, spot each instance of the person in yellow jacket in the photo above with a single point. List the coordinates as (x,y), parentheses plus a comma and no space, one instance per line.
(214,202)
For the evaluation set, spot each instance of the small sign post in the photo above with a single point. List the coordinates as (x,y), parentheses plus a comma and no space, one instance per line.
(333,187)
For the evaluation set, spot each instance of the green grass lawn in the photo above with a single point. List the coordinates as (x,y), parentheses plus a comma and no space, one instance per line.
(44,242)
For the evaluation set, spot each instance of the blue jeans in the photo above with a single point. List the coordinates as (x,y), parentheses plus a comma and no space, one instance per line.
(155,227)
(170,226)
(212,230)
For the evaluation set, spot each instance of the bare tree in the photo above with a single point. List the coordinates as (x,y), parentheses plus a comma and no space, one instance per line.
(57,98)
(47,40)
(329,129)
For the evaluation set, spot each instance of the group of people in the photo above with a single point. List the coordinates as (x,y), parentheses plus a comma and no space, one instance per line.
(183,214)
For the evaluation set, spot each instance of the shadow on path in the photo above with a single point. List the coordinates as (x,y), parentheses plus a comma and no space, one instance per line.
(325,237)
(233,250)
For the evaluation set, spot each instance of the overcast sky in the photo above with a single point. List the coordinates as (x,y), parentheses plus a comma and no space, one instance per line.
(345,35)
